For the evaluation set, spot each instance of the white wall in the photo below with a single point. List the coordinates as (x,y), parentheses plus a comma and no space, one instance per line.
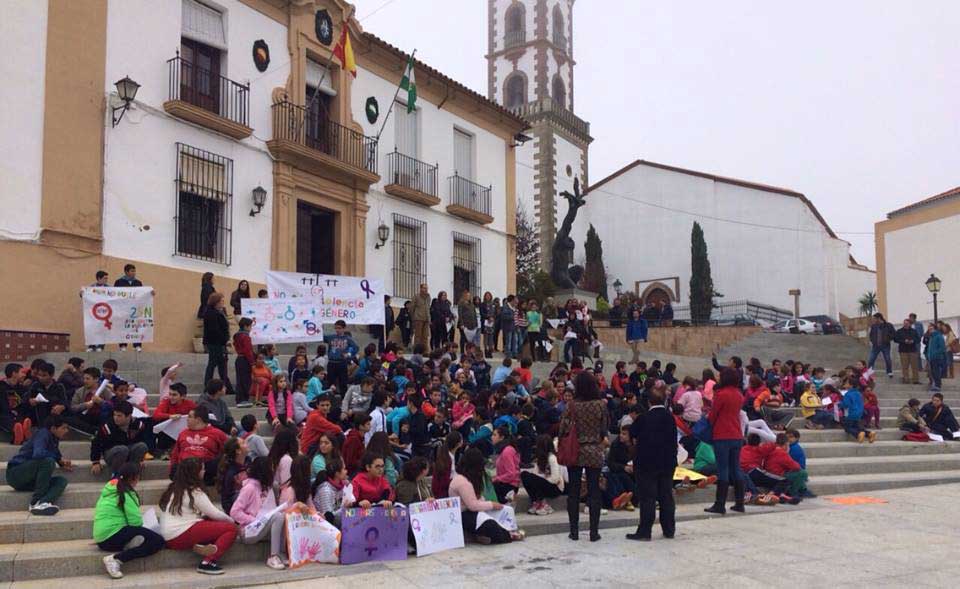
(436,148)
(23,26)
(140,157)
(643,242)
(853,284)
(911,255)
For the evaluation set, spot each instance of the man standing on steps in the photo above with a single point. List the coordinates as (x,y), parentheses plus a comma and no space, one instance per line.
(881,334)
(421,317)
(918,328)
(908,343)
(655,460)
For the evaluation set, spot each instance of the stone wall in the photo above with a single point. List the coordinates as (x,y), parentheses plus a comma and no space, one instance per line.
(683,341)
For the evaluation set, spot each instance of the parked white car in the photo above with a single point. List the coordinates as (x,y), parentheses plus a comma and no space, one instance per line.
(796,326)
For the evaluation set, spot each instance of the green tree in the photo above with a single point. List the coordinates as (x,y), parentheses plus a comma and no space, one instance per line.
(701,282)
(528,254)
(868,303)
(594,273)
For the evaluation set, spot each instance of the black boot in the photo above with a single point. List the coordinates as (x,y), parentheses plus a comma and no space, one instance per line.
(573,515)
(718,504)
(738,495)
(595,518)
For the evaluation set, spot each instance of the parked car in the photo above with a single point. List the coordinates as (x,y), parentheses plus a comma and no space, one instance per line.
(828,325)
(796,326)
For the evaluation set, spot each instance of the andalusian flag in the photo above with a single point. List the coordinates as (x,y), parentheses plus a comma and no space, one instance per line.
(344,51)
(409,83)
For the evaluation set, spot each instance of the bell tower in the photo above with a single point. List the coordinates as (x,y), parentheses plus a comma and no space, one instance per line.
(530,72)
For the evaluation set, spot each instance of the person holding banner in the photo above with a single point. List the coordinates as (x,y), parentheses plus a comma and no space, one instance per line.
(129,280)
(216,334)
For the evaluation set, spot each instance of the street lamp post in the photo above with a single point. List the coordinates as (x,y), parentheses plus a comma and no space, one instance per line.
(933,285)
(617,286)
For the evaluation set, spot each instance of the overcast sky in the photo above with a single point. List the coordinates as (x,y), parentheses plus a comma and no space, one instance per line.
(855,103)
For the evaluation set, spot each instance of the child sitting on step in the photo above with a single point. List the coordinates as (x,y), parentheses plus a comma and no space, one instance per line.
(871,407)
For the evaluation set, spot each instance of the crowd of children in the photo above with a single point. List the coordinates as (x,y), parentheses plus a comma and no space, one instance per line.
(368,428)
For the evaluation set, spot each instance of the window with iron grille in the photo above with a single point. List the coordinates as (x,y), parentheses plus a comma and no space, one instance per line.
(466,265)
(409,256)
(204,187)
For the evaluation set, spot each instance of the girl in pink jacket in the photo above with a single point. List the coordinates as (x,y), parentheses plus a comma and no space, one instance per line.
(255,500)
(280,402)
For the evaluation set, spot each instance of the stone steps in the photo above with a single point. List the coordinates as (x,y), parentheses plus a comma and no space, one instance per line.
(880,448)
(75,449)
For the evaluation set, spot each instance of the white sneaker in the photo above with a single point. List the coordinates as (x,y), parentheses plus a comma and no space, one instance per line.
(44,508)
(509,496)
(113,567)
(276,563)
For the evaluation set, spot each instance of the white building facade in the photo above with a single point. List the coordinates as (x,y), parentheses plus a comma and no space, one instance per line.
(762,241)
(912,243)
(231,105)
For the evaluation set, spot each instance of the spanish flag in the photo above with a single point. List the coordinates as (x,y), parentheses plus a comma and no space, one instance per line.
(344,52)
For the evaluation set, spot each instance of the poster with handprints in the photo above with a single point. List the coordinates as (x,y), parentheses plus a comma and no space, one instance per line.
(373,534)
(310,538)
(114,315)
(436,525)
(280,320)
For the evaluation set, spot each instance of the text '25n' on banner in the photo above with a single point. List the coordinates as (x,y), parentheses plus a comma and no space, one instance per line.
(283,320)
(113,315)
(355,300)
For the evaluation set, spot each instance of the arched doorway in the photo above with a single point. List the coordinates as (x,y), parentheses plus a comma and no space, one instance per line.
(655,296)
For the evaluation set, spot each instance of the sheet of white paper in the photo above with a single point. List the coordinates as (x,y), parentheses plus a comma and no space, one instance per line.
(548,346)
(935,437)
(139,414)
(137,396)
(212,417)
(41,399)
(101,389)
(956,434)
(554,323)
(256,525)
(505,518)
(827,401)
(171,427)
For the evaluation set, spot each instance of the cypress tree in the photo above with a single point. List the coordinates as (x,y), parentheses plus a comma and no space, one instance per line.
(701,283)
(594,274)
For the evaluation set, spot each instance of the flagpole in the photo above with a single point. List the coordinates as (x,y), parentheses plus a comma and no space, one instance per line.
(394,101)
(313,98)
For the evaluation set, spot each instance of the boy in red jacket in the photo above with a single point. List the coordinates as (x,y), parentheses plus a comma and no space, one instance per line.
(316,424)
(779,464)
(200,440)
(353,444)
(175,406)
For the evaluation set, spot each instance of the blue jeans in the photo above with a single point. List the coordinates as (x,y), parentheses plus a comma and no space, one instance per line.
(728,460)
(508,344)
(874,352)
(852,426)
(570,350)
(936,367)
(519,337)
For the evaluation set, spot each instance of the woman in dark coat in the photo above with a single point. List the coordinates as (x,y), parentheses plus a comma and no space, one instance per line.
(588,413)
(206,289)
(216,334)
(242,292)
(440,313)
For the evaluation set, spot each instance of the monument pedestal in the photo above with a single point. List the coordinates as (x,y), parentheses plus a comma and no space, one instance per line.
(561,297)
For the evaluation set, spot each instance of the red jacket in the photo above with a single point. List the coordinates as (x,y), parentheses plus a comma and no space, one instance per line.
(243,346)
(725,414)
(367,489)
(353,450)
(164,410)
(682,425)
(751,457)
(317,424)
(617,383)
(778,461)
(205,444)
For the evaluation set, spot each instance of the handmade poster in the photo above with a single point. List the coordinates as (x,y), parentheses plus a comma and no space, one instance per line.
(253,528)
(373,534)
(117,315)
(436,525)
(505,517)
(283,320)
(171,427)
(827,401)
(356,300)
(310,538)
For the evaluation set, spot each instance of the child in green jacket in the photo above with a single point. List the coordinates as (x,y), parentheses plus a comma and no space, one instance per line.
(117,521)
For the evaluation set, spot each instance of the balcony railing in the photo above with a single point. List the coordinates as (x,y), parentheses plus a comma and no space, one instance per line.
(314,130)
(411,173)
(469,195)
(548,108)
(514,39)
(209,91)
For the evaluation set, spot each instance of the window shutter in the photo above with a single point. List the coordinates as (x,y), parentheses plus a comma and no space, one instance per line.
(406,129)
(203,177)
(314,72)
(463,154)
(204,24)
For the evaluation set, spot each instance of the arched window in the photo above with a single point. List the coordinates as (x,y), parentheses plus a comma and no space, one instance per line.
(559,92)
(515,91)
(559,30)
(516,27)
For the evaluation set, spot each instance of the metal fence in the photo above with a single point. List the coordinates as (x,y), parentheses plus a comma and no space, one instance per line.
(469,194)
(729,312)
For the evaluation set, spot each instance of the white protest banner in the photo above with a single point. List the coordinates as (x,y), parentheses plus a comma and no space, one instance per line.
(310,538)
(356,300)
(117,315)
(283,320)
(505,517)
(436,525)
(171,427)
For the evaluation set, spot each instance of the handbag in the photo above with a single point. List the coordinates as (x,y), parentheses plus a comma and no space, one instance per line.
(568,446)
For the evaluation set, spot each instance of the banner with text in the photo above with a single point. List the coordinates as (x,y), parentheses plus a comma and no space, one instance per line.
(118,315)
(437,525)
(356,300)
(283,320)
